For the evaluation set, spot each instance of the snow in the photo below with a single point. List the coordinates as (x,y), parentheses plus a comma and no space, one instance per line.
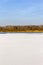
(21,49)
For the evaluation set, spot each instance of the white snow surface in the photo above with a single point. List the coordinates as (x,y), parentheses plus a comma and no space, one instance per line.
(21,49)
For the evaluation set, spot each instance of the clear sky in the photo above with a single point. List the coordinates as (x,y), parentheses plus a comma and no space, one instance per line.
(21,12)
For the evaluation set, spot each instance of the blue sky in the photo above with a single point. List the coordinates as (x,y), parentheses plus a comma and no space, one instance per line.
(21,12)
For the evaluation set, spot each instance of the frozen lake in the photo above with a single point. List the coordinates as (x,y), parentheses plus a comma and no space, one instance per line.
(21,49)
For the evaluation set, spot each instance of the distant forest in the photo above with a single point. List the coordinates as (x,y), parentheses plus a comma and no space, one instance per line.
(28,28)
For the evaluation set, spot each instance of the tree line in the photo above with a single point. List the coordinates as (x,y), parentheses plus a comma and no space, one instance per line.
(21,28)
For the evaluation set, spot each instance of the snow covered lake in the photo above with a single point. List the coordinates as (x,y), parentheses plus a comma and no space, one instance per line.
(21,49)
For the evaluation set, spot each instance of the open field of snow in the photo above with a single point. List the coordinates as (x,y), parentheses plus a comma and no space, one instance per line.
(21,49)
